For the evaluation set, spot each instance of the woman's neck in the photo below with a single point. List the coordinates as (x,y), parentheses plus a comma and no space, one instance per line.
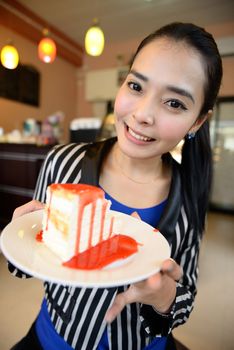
(141,171)
(143,190)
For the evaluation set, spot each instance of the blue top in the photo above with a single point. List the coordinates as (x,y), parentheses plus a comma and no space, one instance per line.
(150,215)
(50,339)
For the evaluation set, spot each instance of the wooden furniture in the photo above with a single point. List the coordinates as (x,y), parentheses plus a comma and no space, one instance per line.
(19,168)
(180,346)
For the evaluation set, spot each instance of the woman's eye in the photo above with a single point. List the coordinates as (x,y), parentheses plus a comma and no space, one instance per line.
(176,104)
(134,86)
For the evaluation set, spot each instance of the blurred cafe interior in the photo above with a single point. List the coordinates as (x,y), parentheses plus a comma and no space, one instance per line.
(67,93)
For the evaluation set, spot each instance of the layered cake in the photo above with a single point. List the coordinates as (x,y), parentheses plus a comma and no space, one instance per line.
(78,227)
(76,218)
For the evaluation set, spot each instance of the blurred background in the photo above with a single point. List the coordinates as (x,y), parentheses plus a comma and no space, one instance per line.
(65,93)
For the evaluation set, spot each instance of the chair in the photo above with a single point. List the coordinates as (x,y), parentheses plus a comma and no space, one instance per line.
(174,344)
(179,345)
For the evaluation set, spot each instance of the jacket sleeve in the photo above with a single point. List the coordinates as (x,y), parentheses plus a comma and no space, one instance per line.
(44,174)
(185,250)
(62,164)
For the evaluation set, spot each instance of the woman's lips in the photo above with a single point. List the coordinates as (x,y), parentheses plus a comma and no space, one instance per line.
(139,137)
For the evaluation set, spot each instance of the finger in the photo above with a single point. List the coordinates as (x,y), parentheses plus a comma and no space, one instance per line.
(121,300)
(136,215)
(172,269)
(154,281)
(27,208)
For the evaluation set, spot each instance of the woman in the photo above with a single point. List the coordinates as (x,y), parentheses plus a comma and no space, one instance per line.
(168,96)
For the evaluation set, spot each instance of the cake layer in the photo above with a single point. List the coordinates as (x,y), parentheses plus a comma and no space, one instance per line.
(76,218)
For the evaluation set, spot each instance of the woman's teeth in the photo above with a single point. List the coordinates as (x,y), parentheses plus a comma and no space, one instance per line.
(139,137)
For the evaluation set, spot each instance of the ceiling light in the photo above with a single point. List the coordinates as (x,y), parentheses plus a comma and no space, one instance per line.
(9,56)
(94,40)
(47,48)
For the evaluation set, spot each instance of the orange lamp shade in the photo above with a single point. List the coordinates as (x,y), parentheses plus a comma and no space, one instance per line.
(47,50)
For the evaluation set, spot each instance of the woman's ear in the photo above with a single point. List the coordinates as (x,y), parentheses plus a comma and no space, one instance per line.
(200,121)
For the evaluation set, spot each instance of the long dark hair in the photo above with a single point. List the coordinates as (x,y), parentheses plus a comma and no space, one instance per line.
(196,164)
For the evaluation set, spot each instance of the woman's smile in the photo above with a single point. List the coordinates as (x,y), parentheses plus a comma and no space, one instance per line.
(136,136)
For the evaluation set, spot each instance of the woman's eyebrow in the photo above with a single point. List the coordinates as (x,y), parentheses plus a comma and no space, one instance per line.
(171,88)
(180,91)
(138,75)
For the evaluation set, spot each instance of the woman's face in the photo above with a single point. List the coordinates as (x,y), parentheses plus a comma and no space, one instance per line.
(160,100)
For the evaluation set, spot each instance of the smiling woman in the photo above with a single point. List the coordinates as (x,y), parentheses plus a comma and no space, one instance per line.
(168,94)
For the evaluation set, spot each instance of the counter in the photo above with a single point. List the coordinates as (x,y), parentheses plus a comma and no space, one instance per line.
(19,168)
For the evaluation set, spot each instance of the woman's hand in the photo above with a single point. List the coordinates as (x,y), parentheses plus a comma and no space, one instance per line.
(27,208)
(158,290)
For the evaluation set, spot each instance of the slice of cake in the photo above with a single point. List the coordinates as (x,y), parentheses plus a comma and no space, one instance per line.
(76,218)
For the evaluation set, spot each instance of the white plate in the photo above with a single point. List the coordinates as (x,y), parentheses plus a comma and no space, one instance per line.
(20,247)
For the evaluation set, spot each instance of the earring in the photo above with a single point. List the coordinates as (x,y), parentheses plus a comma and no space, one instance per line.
(190,135)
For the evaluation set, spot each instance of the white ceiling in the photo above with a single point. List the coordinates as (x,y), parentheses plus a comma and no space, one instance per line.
(126,19)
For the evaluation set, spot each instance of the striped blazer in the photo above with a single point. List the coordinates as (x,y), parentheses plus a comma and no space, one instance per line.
(78,313)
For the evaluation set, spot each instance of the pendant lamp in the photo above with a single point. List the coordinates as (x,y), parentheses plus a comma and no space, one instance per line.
(9,57)
(47,48)
(94,40)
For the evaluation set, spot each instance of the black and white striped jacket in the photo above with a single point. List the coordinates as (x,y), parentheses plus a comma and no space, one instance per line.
(78,313)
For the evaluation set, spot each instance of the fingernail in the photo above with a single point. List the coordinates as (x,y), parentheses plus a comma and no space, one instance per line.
(136,215)
(108,319)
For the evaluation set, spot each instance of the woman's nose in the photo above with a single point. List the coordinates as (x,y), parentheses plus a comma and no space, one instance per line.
(145,112)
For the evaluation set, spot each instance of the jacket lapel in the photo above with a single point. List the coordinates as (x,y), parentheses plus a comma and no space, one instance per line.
(92,161)
(172,210)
